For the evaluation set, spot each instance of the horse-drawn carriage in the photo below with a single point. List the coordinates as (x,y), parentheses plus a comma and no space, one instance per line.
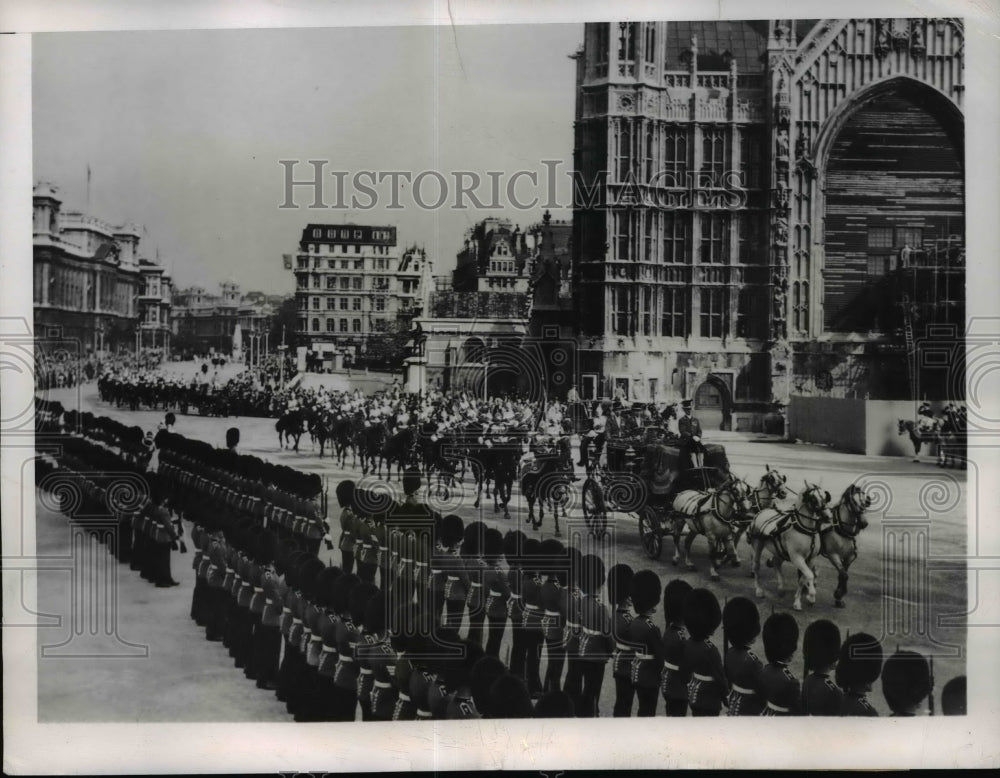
(642,475)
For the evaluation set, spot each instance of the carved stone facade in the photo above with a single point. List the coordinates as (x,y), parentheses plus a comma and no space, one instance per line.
(703,153)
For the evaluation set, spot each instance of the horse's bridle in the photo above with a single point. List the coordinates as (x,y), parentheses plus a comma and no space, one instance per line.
(855,511)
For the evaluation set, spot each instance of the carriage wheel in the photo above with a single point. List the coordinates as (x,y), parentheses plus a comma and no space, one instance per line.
(649,533)
(595,513)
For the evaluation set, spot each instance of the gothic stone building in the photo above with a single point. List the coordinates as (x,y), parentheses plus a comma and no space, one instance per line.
(766,208)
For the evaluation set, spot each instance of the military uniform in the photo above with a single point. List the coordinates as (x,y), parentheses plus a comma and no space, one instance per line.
(781,690)
(821,696)
(743,670)
(676,673)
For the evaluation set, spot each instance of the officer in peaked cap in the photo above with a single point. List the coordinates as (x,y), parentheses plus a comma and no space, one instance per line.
(906,682)
(820,649)
(859,668)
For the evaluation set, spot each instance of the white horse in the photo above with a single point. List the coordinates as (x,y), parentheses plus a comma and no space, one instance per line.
(791,536)
(838,540)
(714,514)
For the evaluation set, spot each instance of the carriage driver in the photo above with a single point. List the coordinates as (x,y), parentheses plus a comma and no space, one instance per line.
(596,435)
(690,431)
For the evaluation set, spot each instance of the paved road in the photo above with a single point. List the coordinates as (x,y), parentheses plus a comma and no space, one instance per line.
(895,590)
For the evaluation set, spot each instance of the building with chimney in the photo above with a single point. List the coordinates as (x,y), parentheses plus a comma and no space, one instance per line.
(766,208)
(88,277)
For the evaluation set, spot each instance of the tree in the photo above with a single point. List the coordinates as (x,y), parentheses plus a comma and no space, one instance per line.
(387,350)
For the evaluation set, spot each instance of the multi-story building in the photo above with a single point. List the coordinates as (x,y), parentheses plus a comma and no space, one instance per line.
(496,258)
(87,276)
(206,322)
(155,302)
(352,282)
(743,191)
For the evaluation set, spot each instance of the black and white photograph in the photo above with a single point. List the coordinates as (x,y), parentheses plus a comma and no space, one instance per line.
(389,384)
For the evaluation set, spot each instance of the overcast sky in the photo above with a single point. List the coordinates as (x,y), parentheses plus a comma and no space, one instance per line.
(183,131)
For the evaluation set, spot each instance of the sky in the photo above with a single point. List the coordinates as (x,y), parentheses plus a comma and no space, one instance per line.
(183,132)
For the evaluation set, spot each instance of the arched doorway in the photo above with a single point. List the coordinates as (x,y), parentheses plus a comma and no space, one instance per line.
(712,404)
(894,195)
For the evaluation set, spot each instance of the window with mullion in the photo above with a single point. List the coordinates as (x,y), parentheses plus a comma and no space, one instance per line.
(712,307)
(674,313)
(676,237)
(713,163)
(715,238)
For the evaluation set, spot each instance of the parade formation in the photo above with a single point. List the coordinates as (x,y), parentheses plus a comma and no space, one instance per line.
(429,616)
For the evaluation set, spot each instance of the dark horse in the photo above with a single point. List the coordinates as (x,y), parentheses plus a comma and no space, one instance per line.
(320,429)
(289,428)
(400,448)
(503,458)
(343,439)
(546,480)
(370,442)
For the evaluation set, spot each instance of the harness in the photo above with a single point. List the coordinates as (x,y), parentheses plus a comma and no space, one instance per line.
(793,519)
(845,531)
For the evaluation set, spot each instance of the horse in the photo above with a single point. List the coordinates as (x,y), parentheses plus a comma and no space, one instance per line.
(838,539)
(918,436)
(289,427)
(771,488)
(505,455)
(714,514)
(791,536)
(371,442)
(545,479)
(400,447)
(319,425)
(343,439)
(951,444)
(440,458)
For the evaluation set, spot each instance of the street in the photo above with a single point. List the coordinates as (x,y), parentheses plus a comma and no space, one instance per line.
(185,678)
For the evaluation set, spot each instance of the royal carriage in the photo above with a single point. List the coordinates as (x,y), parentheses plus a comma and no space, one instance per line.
(640,475)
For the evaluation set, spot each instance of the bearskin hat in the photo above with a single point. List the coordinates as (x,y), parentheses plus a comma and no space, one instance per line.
(674,594)
(645,591)
(452,528)
(619,583)
(472,539)
(357,601)
(170,418)
(953,697)
(554,554)
(741,620)
(493,545)
(860,661)
(512,544)
(702,614)
(509,698)
(292,565)
(232,437)
(374,613)
(820,645)
(593,574)
(342,589)
(323,586)
(532,550)
(411,481)
(555,705)
(780,636)
(345,494)
(481,679)
(906,681)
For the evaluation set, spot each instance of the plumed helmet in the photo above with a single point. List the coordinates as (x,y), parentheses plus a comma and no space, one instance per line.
(906,680)
(645,590)
(620,583)
(860,661)
(702,614)
(674,594)
(741,621)
(780,636)
(820,645)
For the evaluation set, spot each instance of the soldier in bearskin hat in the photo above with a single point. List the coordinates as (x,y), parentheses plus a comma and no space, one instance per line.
(619,589)
(741,625)
(858,669)
(780,688)
(645,636)
(497,588)
(595,641)
(953,697)
(232,439)
(676,674)
(906,682)
(708,688)
(820,649)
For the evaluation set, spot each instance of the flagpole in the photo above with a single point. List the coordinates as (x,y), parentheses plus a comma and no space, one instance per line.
(88,189)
